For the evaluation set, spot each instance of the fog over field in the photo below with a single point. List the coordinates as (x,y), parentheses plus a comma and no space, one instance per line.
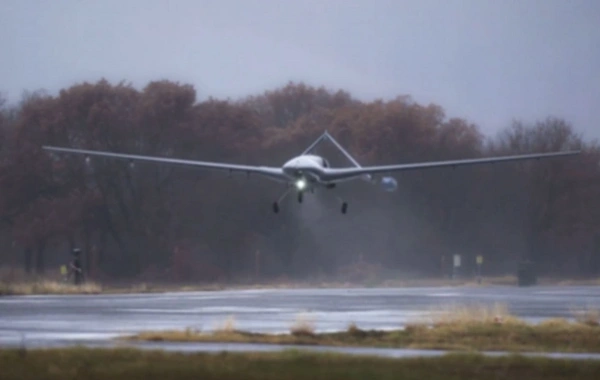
(255,82)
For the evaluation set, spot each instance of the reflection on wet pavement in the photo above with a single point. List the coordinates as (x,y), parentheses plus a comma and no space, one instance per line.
(57,320)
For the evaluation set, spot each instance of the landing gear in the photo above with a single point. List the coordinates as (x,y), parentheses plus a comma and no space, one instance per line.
(344,207)
(300,197)
(276,204)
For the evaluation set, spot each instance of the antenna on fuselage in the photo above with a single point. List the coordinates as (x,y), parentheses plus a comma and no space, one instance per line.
(344,151)
(327,136)
(314,144)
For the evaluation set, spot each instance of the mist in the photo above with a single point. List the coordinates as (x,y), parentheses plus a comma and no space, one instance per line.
(255,82)
(488,61)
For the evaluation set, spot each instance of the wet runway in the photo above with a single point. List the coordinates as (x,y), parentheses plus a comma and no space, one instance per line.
(59,320)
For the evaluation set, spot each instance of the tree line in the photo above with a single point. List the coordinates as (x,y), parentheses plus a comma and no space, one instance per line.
(157,221)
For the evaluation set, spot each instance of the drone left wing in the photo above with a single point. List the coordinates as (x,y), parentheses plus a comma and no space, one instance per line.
(269,172)
(342,174)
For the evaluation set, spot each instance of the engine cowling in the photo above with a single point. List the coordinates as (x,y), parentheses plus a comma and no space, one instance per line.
(389,184)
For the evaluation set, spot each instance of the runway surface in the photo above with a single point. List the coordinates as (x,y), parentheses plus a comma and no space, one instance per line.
(45,321)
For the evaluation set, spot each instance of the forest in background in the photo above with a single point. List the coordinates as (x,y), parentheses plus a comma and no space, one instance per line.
(173,223)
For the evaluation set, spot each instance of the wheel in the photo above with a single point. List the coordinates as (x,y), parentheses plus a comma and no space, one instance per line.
(344,207)
(275,207)
(300,197)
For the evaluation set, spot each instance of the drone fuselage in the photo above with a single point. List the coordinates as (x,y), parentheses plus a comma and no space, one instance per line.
(305,171)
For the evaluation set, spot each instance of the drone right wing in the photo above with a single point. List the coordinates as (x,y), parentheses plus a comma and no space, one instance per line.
(341,174)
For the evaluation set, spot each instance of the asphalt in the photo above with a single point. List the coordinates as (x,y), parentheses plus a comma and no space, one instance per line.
(51,321)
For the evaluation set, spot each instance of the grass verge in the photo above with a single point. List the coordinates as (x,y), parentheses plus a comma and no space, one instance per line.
(37,286)
(459,328)
(48,287)
(84,363)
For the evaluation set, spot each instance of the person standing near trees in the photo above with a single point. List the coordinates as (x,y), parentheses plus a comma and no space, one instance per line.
(75,267)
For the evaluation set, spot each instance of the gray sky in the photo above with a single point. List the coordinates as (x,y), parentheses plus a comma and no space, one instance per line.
(487,61)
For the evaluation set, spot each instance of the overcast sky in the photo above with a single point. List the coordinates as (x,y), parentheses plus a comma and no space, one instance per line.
(487,61)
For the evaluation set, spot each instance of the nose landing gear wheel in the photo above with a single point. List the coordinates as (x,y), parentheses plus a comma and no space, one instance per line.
(300,197)
(275,207)
(344,207)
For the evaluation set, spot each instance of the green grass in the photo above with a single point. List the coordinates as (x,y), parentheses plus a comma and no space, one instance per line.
(463,328)
(130,364)
(13,281)
(49,287)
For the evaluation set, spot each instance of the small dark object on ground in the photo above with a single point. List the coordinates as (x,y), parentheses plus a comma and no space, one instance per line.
(76,268)
(526,274)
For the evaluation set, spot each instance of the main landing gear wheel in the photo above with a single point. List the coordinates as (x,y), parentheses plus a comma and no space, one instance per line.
(344,207)
(281,198)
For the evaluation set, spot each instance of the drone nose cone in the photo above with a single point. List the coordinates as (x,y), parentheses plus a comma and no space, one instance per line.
(389,184)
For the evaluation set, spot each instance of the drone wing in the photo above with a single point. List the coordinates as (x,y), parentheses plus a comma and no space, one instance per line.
(342,174)
(270,172)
